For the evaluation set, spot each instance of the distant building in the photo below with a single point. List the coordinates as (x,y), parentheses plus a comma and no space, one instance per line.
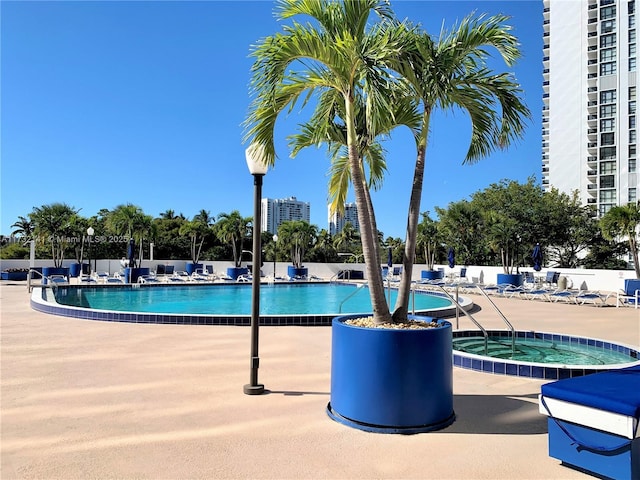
(276,211)
(337,221)
(589,101)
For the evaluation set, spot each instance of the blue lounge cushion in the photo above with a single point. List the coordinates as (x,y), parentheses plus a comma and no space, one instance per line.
(616,391)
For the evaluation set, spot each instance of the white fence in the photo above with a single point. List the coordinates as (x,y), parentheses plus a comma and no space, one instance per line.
(585,279)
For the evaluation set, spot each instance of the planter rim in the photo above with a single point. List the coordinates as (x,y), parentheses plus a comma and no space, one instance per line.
(441,323)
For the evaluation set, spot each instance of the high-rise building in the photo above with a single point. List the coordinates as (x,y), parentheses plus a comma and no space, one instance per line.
(276,211)
(337,221)
(589,107)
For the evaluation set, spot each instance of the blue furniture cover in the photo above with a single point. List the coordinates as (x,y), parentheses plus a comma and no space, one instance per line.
(616,391)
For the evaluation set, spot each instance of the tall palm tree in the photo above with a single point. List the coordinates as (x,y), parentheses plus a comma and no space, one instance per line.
(54,224)
(233,228)
(338,53)
(624,221)
(298,236)
(345,239)
(131,222)
(451,73)
(23,228)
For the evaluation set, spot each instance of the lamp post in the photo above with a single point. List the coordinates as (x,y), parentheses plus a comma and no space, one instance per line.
(90,232)
(275,255)
(258,169)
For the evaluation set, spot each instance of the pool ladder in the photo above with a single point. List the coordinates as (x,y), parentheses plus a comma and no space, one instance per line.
(477,324)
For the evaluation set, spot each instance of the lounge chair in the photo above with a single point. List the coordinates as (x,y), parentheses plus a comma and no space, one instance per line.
(199,276)
(115,278)
(595,298)
(57,280)
(566,296)
(510,291)
(180,276)
(630,295)
(551,279)
(537,294)
(101,276)
(148,279)
(244,278)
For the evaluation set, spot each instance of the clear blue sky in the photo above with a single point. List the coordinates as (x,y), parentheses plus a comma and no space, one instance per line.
(105,103)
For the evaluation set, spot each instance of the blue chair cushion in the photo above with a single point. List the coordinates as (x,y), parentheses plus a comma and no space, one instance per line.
(616,391)
(630,286)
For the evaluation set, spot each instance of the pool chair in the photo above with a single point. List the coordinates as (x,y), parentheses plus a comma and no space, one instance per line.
(199,276)
(87,279)
(536,294)
(148,279)
(180,276)
(630,295)
(101,276)
(57,280)
(594,298)
(115,278)
(244,278)
(566,296)
(511,291)
(592,422)
(551,280)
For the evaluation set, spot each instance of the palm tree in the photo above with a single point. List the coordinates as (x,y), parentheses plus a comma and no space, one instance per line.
(452,74)
(428,237)
(197,231)
(345,239)
(54,223)
(131,222)
(233,228)
(298,236)
(23,228)
(624,221)
(342,55)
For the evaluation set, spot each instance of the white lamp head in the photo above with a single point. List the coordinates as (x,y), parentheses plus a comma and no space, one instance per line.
(90,231)
(255,160)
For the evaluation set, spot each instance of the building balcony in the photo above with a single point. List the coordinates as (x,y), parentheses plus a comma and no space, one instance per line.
(592,158)
(592,187)
(592,173)
(592,117)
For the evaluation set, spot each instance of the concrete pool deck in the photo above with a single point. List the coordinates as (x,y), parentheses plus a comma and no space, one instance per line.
(86,399)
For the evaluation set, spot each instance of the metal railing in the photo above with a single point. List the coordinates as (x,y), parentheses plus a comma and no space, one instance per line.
(458,308)
(359,287)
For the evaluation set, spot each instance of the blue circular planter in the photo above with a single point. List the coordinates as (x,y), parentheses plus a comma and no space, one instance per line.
(192,267)
(512,279)
(391,381)
(431,274)
(74,270)
(131,275)
(48,271)
(294,272)
(235,272)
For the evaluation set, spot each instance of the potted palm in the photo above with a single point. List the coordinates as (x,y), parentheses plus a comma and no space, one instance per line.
(298,236)
(394,79)
(130,222)
(54,225)
(429,238)
(197,231)
(233,228)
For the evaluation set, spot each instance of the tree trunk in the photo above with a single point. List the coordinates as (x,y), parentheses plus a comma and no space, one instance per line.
(366,218)
(413,217)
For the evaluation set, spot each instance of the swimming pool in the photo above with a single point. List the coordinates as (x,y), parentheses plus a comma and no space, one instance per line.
(299,303)
(538,354)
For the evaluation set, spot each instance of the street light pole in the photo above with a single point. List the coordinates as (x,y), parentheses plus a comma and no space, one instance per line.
(258,169)
(90,232)
(275,255)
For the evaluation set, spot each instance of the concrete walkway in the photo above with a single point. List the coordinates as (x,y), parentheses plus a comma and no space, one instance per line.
(86,399)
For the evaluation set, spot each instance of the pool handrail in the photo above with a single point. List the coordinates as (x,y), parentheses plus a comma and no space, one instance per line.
(358,287)
(460,307)
(504,319)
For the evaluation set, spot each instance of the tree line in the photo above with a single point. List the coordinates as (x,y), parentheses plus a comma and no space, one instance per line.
(497,226)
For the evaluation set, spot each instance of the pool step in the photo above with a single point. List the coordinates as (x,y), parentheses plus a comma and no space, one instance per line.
(476,346)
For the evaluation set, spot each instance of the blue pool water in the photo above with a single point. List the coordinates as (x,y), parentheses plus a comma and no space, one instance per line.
(275,299)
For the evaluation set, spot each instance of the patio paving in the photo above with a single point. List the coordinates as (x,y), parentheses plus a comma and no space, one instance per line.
(86,399)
